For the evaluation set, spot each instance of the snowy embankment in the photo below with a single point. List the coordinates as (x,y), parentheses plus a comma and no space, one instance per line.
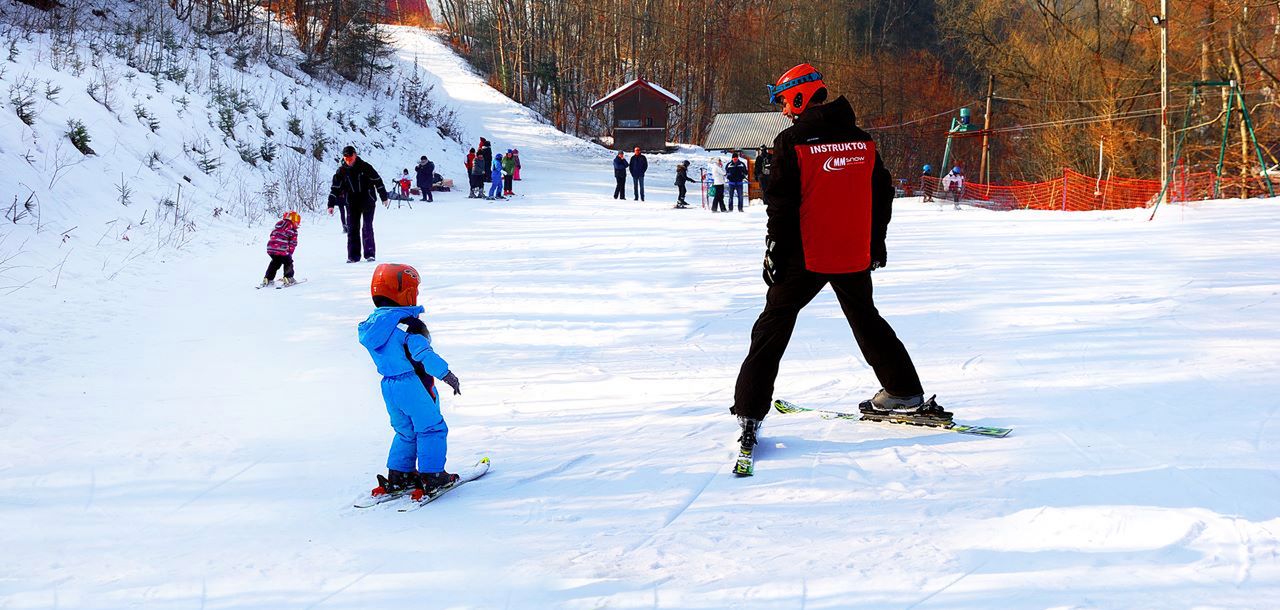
(174,439)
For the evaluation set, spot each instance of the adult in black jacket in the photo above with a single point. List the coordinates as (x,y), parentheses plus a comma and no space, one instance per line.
(682,176)
(620,174)
(762,171)
(839,242)
(426,177)
(485,152)
(362,187)
(639,165)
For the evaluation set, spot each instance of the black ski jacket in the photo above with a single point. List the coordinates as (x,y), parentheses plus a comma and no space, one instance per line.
(359,183)
(682,175)
(825,123)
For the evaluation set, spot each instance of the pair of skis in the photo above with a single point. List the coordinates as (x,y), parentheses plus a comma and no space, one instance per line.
(280,286)
(744,464)
(466,476)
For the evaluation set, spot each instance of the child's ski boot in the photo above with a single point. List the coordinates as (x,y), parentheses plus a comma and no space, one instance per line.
(432,484)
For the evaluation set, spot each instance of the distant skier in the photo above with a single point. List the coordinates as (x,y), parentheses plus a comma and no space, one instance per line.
(829,206)
(508,171)
(495,178)
(926,183)
(478,172)
(360,186)
(284,240)
(638,165)
(620,175)
(763,159)
(470,162)
(717,185)
(409,368)
(954,184)
(682,176)
(736,175)
(485,151)
(426,171)
(515,154)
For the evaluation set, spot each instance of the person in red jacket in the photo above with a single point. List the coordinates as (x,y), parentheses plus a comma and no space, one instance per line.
(829,201)
(284,240)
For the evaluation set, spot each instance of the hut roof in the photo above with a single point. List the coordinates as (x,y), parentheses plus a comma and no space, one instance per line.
(639,82)
(741,130)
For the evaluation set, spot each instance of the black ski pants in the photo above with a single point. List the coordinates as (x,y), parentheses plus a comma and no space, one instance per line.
(681,188)
(277,261)
(717,199)
(880,347)
(620,191)
(360,229)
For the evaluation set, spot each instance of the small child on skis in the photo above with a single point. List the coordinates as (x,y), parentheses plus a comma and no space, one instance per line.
(409,368)
(495,179)
(284,240)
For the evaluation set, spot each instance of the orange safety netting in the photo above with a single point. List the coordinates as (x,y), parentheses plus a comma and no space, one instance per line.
(1075,192)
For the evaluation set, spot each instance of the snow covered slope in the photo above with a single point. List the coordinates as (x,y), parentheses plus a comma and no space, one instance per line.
(173,439)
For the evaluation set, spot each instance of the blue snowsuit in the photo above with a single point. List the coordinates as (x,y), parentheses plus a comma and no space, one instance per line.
(414,407)
(495,190)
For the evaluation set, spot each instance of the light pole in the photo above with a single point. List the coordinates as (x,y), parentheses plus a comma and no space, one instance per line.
(1162,21)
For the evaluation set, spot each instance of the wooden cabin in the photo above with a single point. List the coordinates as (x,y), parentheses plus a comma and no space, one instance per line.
(639,115)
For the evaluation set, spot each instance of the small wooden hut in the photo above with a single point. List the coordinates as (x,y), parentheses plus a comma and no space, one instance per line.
(639,115)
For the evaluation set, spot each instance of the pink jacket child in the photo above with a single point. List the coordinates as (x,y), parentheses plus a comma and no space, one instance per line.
(284,240)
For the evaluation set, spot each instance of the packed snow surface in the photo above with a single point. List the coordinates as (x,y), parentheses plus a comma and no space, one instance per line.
(172,438)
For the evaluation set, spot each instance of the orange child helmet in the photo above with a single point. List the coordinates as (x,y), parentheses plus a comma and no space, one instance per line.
(797,88)
(396,282)
(293,217)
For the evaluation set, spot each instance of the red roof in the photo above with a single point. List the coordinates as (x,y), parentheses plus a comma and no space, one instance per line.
(670,97)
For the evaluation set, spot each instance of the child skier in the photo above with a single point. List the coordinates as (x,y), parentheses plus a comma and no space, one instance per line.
(409,368)
(284,240)
(495,179)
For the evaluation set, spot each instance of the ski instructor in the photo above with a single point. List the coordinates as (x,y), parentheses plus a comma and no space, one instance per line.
(828,201)
(361,185)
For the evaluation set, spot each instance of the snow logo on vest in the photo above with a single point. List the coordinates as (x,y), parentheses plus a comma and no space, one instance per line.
(835,164)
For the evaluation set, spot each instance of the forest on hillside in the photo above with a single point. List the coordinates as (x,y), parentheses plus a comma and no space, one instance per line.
(1070,76)
(1071,81)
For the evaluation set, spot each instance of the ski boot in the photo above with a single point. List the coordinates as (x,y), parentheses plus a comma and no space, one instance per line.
(750,432)
(432,484)
(266,283)
(909,409)
(396,483)
(287,282)
(745,464)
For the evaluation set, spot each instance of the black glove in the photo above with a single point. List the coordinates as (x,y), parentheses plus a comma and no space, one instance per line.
(416,326)
(772,266)
(452,380)
(878,255)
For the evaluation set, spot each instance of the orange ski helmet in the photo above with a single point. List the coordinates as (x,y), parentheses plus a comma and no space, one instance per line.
(396,282)
(293,217)
(797,88)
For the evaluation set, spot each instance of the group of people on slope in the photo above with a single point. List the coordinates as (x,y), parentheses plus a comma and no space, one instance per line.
(427,179)
(637,165)
(952,183)
(731,176)
(498,170)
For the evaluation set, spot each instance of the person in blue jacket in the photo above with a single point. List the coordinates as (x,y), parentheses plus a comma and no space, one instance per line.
(620,174)
(409,368)
(495,178)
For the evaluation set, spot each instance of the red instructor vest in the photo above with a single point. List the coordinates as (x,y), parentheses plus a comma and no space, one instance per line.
(835,205)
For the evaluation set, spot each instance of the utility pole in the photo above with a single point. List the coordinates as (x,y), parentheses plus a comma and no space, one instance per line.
(983,170)
(1164,101)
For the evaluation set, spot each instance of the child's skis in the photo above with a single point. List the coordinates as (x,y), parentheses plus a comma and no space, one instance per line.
(465,476)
